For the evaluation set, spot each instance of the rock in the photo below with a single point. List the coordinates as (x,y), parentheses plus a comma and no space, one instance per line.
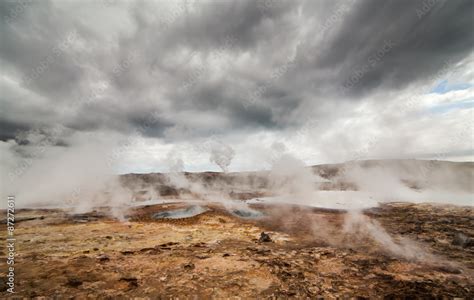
(132,281)
(150,250)
(73,282)
(103,258)
(460,239)
(81,257)
(263,251)
(83,218)
(188,266)
(447,269)
(167,245)
(264,237)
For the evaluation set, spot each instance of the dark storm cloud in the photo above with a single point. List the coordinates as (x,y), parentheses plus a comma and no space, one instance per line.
(243,64)
(35,43)
(8,130)
(150,125)
(392,43)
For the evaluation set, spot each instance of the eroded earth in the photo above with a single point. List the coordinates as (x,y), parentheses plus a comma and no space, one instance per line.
(305,253)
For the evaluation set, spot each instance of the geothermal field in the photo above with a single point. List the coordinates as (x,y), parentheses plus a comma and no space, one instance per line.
(313,232)
(237,149)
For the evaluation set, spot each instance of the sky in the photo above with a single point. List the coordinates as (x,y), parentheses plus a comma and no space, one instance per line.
(160,85)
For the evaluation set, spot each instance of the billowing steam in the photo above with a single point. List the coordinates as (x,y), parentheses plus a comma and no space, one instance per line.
(221,155)
(290,175)
(79,175)
(360,226)
(175,170)
(79,172)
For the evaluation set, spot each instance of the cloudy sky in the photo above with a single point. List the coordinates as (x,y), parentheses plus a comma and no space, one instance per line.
(166,81)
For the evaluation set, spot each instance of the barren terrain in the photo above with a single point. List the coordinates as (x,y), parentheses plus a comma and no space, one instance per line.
(220,255)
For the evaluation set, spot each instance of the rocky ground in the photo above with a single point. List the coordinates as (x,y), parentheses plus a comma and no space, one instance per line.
(305,253)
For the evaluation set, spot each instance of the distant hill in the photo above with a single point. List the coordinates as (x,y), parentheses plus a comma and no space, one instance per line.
(352,175)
